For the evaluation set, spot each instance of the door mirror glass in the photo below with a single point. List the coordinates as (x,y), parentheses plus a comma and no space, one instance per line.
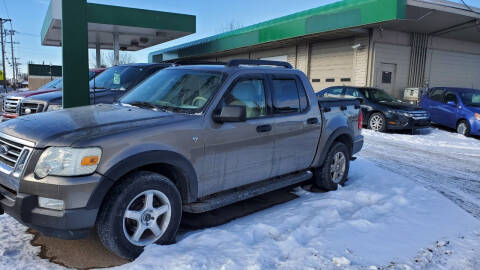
(230,113)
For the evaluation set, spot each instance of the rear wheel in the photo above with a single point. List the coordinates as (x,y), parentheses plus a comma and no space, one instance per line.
(463,128)
(145,208)
(335,169)
(377,122)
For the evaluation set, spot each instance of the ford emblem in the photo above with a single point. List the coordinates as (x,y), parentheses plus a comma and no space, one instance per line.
(28,111)
(3,149)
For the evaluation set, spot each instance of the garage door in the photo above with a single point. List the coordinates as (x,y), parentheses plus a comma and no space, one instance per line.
(331,63)
(453,69)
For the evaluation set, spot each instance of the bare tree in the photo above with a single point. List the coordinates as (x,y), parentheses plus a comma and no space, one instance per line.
(230,26)
(107,58)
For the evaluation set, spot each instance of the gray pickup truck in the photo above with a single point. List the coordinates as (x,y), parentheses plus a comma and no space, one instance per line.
(191,138)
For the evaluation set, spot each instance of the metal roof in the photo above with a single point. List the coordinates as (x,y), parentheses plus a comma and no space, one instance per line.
(340,15)
(137,28)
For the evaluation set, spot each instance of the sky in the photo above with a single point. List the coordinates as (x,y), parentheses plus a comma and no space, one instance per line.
(213,17)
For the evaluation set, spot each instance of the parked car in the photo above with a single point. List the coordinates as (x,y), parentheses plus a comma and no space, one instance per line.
(381,111)
(189,138)
(12,100)
(106,88)
(457,108)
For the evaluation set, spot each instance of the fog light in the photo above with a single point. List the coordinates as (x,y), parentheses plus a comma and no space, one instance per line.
(51,203)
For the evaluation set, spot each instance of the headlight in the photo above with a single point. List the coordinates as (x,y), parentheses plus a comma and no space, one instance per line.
(477,115)
(67,161)
(54,107)
(403,113)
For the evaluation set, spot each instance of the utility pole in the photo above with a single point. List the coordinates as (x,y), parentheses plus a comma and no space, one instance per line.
(14,61)
(3,53)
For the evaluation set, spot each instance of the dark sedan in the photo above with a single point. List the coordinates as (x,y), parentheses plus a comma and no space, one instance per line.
(381,111)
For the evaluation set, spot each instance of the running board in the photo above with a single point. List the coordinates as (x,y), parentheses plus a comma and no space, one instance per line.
(228,197)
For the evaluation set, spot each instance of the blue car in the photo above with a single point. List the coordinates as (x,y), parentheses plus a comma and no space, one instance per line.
(457,108)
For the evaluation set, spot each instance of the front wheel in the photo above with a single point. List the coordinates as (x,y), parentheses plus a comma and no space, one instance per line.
(377,122)
(335,169)
(145,208)
(463,128)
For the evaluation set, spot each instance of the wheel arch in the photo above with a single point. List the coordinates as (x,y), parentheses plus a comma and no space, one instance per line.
(342,134)
(170,164)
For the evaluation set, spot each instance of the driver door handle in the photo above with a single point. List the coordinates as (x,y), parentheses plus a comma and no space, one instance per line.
(312,121)
(264,128)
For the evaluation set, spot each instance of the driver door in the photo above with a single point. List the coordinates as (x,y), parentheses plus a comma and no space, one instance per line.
(240,153)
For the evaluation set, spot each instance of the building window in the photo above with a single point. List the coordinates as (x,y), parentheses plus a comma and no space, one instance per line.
(330,80)
(345,80)
(387,77)
(316,80)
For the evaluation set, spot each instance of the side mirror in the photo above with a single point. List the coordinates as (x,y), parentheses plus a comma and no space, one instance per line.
(452,103)
(361,100)
(230,113)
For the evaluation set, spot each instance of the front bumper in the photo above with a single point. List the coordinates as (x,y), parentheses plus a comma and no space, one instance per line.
(74,222)
(407,123)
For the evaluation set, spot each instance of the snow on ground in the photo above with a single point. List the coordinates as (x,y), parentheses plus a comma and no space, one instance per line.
(384,218)
(446,162)
(378,218)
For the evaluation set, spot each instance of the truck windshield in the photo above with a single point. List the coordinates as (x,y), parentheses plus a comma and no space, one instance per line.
(378,95)
(471,98)
(117,78)
(176,90)
(57,83)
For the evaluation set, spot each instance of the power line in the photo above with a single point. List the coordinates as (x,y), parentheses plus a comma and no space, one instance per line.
(464,3)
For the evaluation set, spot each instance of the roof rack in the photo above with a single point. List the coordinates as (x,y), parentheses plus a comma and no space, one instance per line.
(197,62)
(238,62)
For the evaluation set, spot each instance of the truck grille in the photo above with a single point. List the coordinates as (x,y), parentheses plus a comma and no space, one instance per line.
(419,115)
(31,108)
(13,154)
(10,104)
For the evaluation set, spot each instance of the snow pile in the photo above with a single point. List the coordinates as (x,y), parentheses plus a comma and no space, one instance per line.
(377,219)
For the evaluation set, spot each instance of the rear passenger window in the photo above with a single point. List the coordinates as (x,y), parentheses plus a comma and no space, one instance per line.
(351,93)
(285,96)
(334,92)
(437,95)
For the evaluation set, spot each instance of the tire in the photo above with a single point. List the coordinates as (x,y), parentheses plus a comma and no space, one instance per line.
(463,128)
(377,122)
(324,177)
(117,228)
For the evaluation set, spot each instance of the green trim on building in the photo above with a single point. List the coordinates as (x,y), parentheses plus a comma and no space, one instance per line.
(44,70)
(46,22)
(114,15)
(340,15)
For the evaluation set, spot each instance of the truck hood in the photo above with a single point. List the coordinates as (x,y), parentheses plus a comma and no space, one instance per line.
(33,93)
(401,106)
(65,127)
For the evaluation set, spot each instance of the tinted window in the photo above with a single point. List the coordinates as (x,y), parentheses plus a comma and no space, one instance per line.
(437,95)
(450,96)
(251,94)
(303,98)
(378,95)
(471,98)
(334,92)
(117,78)
(285,96)
(352,93)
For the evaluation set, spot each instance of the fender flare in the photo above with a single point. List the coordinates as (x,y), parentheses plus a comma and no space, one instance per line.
(187,183)
(323,151)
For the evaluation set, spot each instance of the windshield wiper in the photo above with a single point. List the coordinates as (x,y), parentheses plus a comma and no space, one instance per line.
(144,104)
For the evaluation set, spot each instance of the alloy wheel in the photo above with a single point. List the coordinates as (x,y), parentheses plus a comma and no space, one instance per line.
(376,123)
(337,168)
(462,128)
(146,218)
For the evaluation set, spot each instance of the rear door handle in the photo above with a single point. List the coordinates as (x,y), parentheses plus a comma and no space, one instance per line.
(264,128)
(312,121)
